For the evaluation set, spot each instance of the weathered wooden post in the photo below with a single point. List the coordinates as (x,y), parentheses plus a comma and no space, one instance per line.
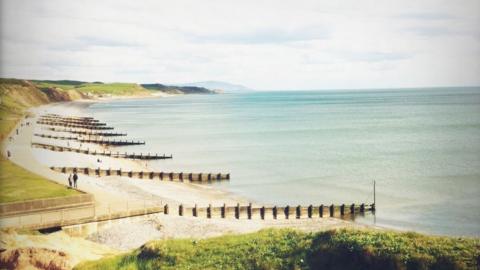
(170,176)
(249,211)
(150,175)
(223,211)
(85,171)
(274,212)
(140,174)
(64,170)
(165,209)
(342,209)
(194,211)
(180,210)
(209,211)
(97,171)
(352,209)
(332,210)
(286,211)
(237,211)
(362,208)
(219,176)
(262,212)
(108,172)
(298,212)
(190,177)
(130,174)
(310,211)
(119,172)
(200,177)
(181,176)
(161,175)
(228,176)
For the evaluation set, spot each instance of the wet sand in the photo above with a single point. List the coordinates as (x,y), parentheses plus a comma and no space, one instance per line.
(116,193)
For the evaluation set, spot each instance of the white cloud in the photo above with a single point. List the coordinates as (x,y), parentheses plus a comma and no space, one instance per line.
(262,44)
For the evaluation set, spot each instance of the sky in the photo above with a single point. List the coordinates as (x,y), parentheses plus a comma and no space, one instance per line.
(265,45)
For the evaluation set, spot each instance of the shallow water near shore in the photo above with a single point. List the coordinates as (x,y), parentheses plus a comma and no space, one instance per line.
(421,146)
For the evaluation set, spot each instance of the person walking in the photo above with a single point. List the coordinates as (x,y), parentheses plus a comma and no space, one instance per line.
(75,178)
(70,180)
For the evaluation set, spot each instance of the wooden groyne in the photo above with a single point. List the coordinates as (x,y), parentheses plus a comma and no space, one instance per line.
(75,122)
(88,140)
(140,156)
(271,212)
(69,118)
(84,126)
(87,133)
(111,142)
(148,175)
(74,138)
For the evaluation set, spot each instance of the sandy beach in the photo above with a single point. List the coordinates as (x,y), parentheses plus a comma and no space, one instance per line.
(118,193)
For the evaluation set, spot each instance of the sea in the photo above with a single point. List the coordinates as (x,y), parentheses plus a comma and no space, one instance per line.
(421,148)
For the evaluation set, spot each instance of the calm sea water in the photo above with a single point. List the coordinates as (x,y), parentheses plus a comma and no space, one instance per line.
(421,146)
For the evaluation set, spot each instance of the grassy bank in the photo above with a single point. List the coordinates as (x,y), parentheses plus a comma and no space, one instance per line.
(287,249)
(16,183)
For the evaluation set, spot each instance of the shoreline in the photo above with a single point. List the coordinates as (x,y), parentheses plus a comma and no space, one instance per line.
(119,192)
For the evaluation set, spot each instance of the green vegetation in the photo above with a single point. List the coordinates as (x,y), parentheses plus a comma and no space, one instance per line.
(16,183)
(95,88)
(171,89)
(287,249)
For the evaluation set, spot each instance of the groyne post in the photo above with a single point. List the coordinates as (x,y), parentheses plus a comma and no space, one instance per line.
(223,210)
(237,211)
(332,210)
(249,211)
(165,209)
(320,211)
(298,212)
(342,209)
(274,212)
(194,211)
(352,209)
(286,211)
(262,212)
(180,210)
(310,211)
(209,211)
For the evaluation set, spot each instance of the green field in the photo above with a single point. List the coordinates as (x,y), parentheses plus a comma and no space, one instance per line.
(97,88)
(287,249)
(18,184)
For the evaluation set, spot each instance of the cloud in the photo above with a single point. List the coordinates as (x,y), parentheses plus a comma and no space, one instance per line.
(263,44)
(264,36)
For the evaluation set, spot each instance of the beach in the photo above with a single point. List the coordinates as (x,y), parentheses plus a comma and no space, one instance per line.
(119,193)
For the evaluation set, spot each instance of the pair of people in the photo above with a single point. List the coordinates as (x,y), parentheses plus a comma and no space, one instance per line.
(72,180)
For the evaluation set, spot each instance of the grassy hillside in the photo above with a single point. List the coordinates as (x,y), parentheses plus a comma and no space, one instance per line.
(95,88)
(169,89)
(17,183)
(287,249)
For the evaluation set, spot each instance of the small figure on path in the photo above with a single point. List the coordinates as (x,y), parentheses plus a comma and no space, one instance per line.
(99,161)
(9,154)
(70,180)
(75,178)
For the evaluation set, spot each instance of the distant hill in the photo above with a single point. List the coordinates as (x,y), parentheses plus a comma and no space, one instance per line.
(172,89)
(217,85)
